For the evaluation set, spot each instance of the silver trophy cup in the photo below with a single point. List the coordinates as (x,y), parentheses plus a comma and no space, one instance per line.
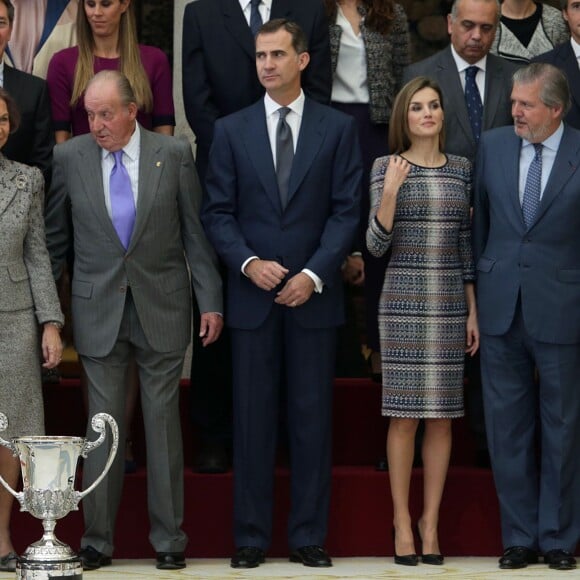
(48,467)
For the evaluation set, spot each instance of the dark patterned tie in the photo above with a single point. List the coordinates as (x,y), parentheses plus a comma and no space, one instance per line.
(473,102)
(284,155)
(255,17)
(533,187)
(122,200)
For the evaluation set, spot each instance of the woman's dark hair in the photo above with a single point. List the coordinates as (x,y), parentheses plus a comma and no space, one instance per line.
(13,112)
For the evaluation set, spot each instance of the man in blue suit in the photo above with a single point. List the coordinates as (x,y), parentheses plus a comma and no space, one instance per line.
(565,56)
(527,248)
(283,188)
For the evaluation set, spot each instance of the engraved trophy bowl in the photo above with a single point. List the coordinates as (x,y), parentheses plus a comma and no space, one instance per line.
(48,466)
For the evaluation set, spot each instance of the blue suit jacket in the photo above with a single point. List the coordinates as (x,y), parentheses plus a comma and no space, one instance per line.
(542,262)
(243,216)
(563,57)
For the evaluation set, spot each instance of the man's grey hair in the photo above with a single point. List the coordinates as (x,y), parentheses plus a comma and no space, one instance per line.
(124,87)
(554,91)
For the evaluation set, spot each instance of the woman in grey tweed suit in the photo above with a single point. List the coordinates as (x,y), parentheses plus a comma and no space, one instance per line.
(369,47)
(28,299)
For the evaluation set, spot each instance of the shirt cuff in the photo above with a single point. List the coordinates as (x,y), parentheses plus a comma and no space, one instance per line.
(246,262)
(318,283)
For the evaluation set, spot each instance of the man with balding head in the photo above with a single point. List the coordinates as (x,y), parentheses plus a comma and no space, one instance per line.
(135,200)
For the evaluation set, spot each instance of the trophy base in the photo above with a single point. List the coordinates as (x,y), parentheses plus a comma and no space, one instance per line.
(37,570)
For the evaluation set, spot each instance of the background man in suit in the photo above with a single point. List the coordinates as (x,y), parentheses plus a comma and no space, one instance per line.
(466,71)
(32,143)
(131,295)
(526,244)
(566,57)
(283,188)
(471,25)
(219,78)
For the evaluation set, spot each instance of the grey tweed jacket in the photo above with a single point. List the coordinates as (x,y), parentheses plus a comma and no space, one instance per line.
(25,275)
(387,56)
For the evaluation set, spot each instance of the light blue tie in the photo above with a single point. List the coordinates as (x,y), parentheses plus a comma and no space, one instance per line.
(473,102)
(122,200)
(533,187)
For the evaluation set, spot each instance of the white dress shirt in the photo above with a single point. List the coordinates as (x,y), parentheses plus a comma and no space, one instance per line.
(463,65)
(294,120)
(549,151)
(264,8)
(131,153)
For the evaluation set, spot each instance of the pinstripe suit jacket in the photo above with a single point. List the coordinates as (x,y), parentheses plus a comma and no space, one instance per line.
(167,238)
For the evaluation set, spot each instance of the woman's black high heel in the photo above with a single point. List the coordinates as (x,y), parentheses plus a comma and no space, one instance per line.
(432,559)
(407,559)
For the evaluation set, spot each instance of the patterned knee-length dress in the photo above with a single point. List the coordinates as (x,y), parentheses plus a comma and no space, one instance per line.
(422,309)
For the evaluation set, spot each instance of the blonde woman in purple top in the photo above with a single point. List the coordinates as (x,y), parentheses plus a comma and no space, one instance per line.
(107,39)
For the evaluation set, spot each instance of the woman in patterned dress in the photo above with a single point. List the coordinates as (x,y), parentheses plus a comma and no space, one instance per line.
(29,307)
(427,314)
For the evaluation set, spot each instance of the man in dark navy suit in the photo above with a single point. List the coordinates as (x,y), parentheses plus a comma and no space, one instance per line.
(283,190)
(219,78)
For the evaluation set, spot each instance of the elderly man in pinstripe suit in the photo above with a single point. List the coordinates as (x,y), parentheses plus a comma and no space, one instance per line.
(135,199)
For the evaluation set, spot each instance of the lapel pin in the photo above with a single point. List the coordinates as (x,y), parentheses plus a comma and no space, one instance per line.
(158,164)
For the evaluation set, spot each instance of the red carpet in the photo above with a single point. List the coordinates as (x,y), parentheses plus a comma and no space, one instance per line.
(361,512)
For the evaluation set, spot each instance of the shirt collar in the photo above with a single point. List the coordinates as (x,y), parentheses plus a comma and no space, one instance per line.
(245,3)
(575,48)
(552,142)
(131,150)
(1,72)
(297,106)
(463,64)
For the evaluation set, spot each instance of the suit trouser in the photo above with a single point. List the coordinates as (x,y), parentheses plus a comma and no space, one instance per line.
(159,375)
(538,493)
(278,353)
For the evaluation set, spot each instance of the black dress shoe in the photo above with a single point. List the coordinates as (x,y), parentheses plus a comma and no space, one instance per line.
(213,457)
(170,561)
(8,562)
(431,559)
(560,560)
(407,559)
(382,464)
(313,556)
(92,559)
(247,557)
(517,557)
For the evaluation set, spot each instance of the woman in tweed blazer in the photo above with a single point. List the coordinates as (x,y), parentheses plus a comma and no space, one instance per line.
(369,44)
(28,300)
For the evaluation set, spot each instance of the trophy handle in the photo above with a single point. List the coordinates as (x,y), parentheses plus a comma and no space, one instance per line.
(98,425)
(11,446)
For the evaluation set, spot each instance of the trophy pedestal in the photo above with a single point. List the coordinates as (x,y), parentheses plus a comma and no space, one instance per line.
(49,558)
(36,570)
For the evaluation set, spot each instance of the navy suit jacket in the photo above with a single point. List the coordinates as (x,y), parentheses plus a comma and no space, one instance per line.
(541,264)
(219,61)
(243,215)
(32,143)
(563,57)
(497,102)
